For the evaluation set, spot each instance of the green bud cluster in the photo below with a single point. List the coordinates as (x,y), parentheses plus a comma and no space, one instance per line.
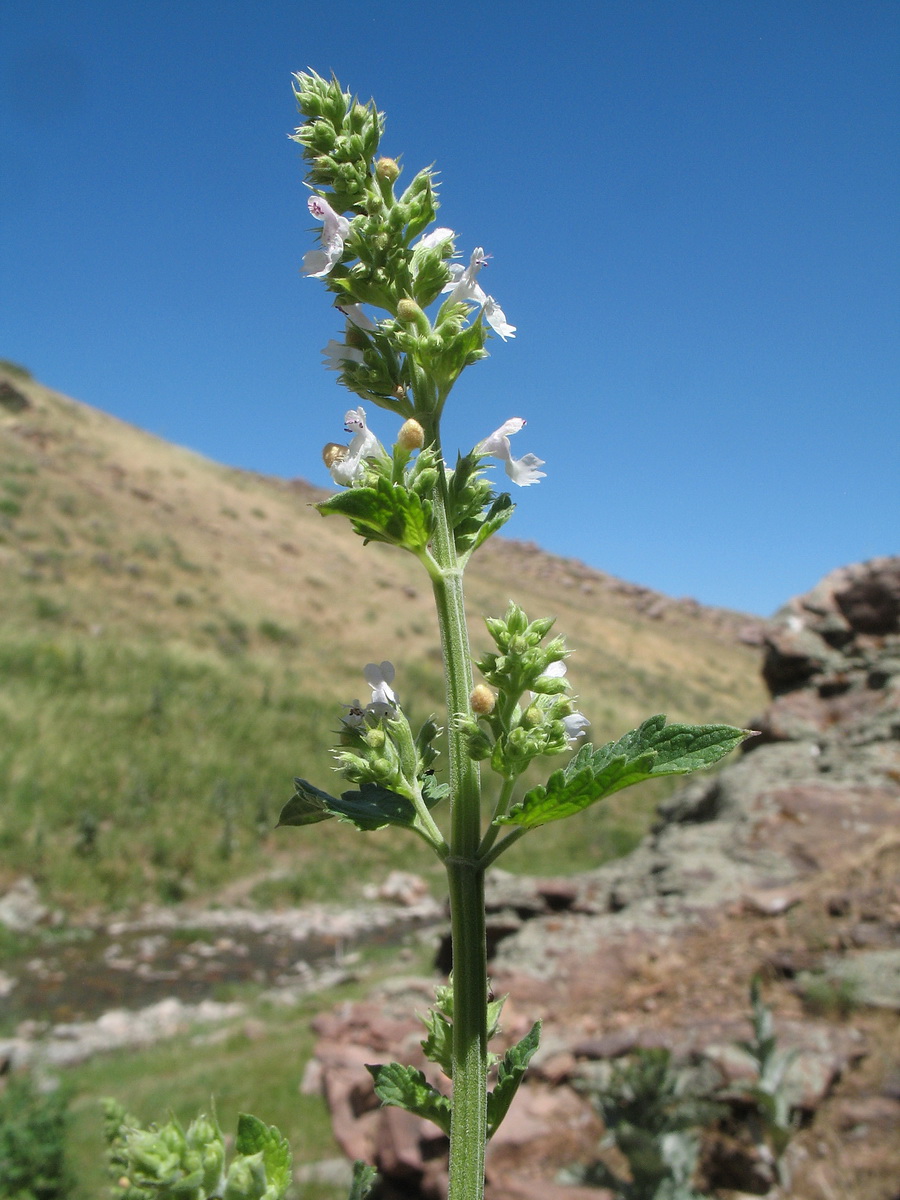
(169,1162)
(521,659)
(340,139)
(383,751)
(519,729)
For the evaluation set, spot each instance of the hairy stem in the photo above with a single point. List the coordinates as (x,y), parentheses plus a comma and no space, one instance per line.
(465,874)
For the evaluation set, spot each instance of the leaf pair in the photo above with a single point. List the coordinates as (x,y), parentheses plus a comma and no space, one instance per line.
(407,1087)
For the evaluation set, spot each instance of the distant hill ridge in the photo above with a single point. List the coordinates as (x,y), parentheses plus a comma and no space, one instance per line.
(175,628)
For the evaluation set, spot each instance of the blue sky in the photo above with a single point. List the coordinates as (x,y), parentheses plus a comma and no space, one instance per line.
(692,212)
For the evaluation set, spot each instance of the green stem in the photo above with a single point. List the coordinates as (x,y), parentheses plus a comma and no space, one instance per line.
(502,846)
(500,808)
(465,873)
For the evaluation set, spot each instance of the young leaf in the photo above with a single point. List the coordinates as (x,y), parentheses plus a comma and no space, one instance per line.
(438,1045)
(495,518)
(407,1087)
(510,1071)
(255,1137)
(363,1178)
(653,749)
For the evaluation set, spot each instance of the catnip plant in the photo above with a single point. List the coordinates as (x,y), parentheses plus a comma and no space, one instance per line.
(415,315)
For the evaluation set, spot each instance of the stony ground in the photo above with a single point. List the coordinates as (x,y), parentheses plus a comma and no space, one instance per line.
(785,865)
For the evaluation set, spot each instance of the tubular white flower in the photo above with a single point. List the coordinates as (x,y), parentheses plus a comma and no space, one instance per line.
(364,444)
(317,263)
(429,240)
(522,471)
(576,726)
(496,318)
(356,316)
(464,288)
(379,677)
(338,353)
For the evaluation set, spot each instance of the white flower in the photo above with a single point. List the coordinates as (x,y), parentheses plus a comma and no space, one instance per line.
(338,353)
(364,444)
(335,228)
(524,470)
(379,677)
(464,288)
(428,241)
(576,726)
(496,318)
(356,316)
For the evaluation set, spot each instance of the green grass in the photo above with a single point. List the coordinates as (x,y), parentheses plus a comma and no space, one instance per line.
(135,773)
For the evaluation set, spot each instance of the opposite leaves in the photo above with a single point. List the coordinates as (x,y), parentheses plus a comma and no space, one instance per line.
(652,750)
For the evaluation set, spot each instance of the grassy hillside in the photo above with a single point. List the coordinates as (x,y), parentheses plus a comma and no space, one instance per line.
(177,638)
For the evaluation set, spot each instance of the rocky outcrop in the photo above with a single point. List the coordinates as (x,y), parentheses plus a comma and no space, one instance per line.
(785,863)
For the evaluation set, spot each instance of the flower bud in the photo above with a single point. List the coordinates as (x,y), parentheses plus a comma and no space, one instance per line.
(334,453)
(411,435)
(387,168)
(482,700)
(532,717)
(408,310)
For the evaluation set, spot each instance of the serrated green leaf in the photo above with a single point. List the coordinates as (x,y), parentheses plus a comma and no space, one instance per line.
(407,1087)
(433,792)
(652,750)
(384,512)
(512,1067)
(371,807)
(307,806)
(495,518)
(363,1178)
(255,1137)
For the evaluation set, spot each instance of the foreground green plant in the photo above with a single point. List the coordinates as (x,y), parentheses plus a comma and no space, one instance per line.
(33,1128)
(169,1162)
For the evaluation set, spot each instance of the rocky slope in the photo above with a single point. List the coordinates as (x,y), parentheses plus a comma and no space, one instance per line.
(784,864)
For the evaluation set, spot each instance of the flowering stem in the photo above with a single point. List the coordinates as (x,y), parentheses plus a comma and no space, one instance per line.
(465,871)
